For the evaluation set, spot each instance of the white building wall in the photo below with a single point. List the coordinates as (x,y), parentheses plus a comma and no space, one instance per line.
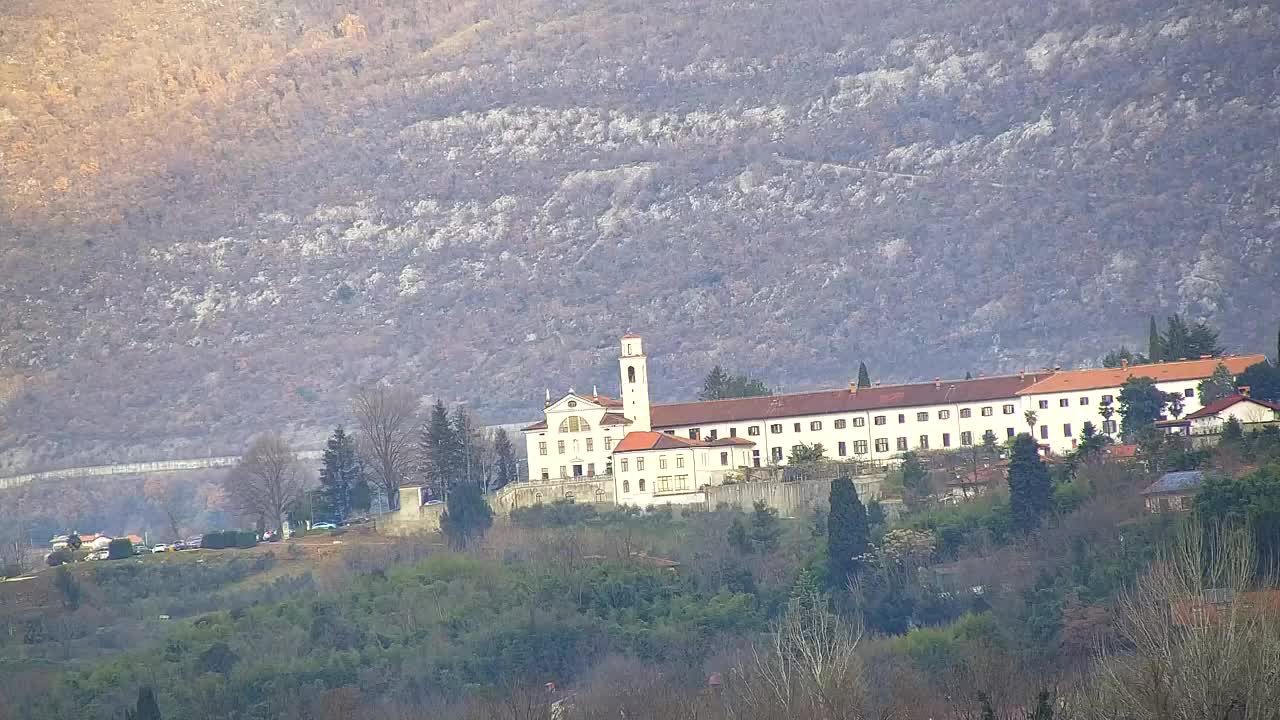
(944,426)
(566,454)
(1245,412)
(1053,419)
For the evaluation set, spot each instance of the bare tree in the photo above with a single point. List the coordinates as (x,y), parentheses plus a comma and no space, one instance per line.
(386,417)
(15,553)
(1204,637)
(266,481)
(808,668)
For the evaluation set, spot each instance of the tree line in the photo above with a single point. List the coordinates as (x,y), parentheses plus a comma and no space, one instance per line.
(393,443)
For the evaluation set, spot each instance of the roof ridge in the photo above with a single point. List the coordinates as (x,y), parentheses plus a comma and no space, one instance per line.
(944,381)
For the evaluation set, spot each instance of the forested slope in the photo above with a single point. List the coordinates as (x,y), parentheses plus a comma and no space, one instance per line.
(219,216)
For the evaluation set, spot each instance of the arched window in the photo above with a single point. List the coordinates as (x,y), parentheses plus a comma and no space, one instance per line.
(631,374)
(573,424)
(641,484)
(626,486)
(537,498)
(600,495)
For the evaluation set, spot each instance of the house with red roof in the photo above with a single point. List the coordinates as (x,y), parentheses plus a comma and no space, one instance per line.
(1209,419)
(655,468)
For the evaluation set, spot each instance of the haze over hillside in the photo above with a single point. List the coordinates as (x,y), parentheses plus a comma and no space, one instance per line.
(220,217)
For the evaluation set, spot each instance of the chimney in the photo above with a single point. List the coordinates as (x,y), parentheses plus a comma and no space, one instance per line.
(853,387)
(937,383)
(1022,374)
(1243,390)
(1124,363)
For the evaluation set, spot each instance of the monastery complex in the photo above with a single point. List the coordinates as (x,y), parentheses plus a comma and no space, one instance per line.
(659,454)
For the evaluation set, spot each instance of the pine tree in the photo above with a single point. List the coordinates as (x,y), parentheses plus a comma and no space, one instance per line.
(1155,347)
(714,385)
(505,470)
(1030,488)
(1217,386)
(466,516)
(341,474)
(864,377)
(765,530)
(846,533)
(438,451)
(468,450)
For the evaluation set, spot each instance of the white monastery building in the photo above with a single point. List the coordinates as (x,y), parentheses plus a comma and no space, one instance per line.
(667,453)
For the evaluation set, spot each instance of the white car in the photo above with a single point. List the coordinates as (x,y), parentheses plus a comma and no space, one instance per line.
(324,526)
(160,548)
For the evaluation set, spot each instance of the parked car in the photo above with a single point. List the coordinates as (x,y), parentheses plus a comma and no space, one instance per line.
(141,550)
(323,526)
(194,542)
(160,548)
(178,546)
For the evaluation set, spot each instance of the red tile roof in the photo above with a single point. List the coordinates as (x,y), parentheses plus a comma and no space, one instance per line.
(1221,404)
(649,440)
(614,419)
(825,402)
(603,400)
(1098,378)
(630,336)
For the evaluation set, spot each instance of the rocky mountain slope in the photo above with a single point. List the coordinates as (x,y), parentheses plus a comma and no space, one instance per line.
(219,217)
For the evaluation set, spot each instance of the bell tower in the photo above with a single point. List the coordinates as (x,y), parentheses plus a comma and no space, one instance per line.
(634,367)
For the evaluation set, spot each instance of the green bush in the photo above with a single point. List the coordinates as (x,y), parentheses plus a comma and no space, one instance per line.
(223,539)
(59,557)
(120,549)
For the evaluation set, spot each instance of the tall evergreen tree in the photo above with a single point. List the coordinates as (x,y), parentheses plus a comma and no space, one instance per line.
(341,475)
(721,385)
(1219,385)
(467,516)
(468,449)
(506,470)
(146,708)
(846,533)
(864,377)
(1155,349)
(1030,488)
(713,386)
(438,451)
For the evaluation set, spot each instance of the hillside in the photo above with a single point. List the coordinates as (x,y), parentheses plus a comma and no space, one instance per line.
(220,217)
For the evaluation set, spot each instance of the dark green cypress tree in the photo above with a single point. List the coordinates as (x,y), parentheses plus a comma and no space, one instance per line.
(864,377)
(146,708)
(466,516)
(1155,345)
(1030,488)
(846,533)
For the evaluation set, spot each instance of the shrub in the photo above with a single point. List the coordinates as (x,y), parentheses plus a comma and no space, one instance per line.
(119,549)
(59,557)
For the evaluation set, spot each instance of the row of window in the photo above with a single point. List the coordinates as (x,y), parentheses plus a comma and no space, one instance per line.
(578,471)
(841,424)
(665,483)
(589,443)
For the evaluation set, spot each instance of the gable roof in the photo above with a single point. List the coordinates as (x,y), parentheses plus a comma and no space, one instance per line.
(1176,482)
(825,402)
(650,440)
(1223,403)
(1098,378)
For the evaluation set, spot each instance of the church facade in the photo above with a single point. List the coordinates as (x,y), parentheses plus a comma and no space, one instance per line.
(672,450)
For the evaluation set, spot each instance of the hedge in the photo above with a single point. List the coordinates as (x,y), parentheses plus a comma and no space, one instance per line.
(221,539)
(119,549)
